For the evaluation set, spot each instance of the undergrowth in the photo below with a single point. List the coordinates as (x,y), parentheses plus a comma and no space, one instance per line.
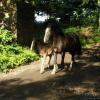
(11,54)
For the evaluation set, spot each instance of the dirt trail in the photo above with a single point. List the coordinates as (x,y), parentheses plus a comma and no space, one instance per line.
(82,83)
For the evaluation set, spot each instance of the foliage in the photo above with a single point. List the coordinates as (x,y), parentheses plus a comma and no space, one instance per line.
(96,35)
(85,16)
(8,14)
(14,55)
(95,38)
(72,29)
(11,54)
(6,36)
(73,12)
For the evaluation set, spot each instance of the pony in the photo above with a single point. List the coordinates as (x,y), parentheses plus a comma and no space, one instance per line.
(61,43)
(44,50)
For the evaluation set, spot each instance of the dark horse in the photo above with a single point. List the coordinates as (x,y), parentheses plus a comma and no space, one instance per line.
(61,43)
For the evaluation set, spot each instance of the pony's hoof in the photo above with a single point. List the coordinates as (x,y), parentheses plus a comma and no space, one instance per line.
(48,66)
(54,70)
(41,71)
(53,73)
(69,69)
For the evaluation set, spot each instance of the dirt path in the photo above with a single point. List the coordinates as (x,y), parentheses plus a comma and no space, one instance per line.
(82,83)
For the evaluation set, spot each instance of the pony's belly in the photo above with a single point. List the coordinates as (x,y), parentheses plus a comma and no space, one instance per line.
(59,47)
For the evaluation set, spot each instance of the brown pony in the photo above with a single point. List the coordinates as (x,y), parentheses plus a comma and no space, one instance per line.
(44,50)
(61,43)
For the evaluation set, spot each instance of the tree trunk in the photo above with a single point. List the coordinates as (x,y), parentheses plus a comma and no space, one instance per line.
(25,23)
(99,14)
(8,15)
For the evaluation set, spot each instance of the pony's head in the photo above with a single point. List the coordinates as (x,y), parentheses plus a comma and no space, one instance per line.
(50,30)
(48,34)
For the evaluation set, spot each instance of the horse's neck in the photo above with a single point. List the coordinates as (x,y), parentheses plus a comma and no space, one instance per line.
(58,35)
(58,40)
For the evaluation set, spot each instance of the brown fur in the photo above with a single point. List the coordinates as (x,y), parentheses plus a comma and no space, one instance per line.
(42,48)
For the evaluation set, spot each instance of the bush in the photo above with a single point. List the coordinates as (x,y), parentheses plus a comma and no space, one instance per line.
(6,37)
(71,30)
(96,39)
(11,54)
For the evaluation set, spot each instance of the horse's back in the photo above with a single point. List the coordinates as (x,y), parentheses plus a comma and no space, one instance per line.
(74,43)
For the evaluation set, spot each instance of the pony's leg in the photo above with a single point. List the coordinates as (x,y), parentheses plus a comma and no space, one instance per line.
(62,60)
(71,64)
(49,60)
(32,45)
(55,64)
(42,65)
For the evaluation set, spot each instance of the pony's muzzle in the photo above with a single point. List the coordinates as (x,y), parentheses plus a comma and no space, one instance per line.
(45,41)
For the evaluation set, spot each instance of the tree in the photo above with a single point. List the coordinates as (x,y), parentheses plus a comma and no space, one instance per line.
(65,9)
(25,22)
(99,14)
(58,8)
(8,14)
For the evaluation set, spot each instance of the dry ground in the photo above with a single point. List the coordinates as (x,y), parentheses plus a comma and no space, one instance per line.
(82,83)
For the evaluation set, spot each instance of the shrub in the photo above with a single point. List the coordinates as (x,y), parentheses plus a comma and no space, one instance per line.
(6,37)
(92,38)
(11,54)
(71,30)
(14,55)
